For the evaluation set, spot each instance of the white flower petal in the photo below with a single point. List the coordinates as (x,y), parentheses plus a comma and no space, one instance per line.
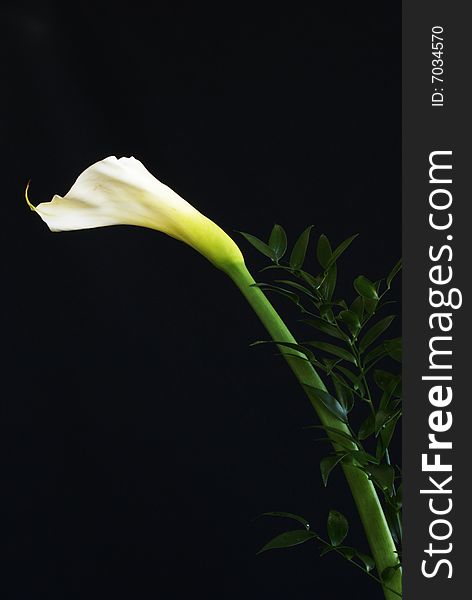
(114,192)
(123,192)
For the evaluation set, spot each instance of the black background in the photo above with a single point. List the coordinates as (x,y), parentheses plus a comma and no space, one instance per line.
(142,434)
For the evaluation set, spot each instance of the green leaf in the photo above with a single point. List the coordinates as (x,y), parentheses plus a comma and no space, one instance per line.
(337,527)
(327,464)
(259,245)
(354,379)
(323,251)
(329,284)
(394,349)
(288,515)
(330,363)
(358,307)
(347,552)
(383,475)
(332,349)
(297,257)
(375,354)
(385,380)
(367,427)
(393,272)
(363,457)
(289,539)
(374,332)
(370,306)
(326,327)
(387,395)
(400,493)
(386,435)
(276,267)
(326,311)
(329,402)
(365,288)
(384,416)
(312,281)
(351,319)
(278,241)
(339,250)
(368,561)
(343,393)
(296,286)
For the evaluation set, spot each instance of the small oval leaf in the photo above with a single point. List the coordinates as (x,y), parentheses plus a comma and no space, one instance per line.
(337,527)
(289,539)
(394,349)
(383,475)
(375,354)
(347,552)
(351,319)
(259,245)
(370,306)
(296,286)
(278,241)
(367,428)
(368,561)
(374,332)
(364,287)
(393,272)
(329,402)
(329,283)
(343,393)
(332,349)
(297,257)
(288,515)
(358,307)
(326,327)
(340,249)
(323,251)
(384,380)
(356,380)
(327,464)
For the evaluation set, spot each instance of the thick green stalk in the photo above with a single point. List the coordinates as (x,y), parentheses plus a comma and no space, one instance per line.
(363,491)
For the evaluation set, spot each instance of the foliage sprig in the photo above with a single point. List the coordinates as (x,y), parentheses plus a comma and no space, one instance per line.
(359,360)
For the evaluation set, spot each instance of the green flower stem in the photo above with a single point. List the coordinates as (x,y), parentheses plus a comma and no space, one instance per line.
(363,491)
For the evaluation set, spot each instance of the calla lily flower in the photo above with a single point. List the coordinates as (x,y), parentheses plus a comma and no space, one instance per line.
(123,192)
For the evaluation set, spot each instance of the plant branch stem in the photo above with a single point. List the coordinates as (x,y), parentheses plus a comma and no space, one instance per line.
(365,496)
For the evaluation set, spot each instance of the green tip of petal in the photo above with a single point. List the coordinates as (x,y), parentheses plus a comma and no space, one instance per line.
(27,198)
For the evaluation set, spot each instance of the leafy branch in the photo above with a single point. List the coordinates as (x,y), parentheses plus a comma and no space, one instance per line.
(337,529)
(353,343)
